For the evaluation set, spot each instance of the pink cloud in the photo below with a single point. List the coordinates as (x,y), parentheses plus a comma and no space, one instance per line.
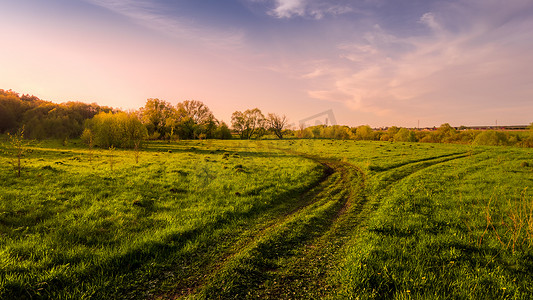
(480,66)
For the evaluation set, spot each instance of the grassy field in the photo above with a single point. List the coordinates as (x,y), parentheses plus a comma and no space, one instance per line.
(267,219)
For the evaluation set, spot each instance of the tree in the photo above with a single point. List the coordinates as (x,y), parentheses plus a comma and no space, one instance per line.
(364,132)
(277,124)
(405,135)
(88,137)
(17,147)
(44,119)
(238,122)
(389,135)
(491,138)
(446,133)
(132,130)
(154,115)
(529,141)
(222,132)
(195,119)
(318,131)
(115,130)
(333,132)
(197,111)
(11,110)
(210,127)
(247,123)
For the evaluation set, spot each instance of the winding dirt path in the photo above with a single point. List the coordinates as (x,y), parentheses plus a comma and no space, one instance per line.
(263,264)
(295,254)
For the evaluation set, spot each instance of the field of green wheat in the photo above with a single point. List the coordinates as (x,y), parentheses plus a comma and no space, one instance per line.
(267,219)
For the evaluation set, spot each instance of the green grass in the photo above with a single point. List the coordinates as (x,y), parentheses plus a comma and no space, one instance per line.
(268,219)
(68,222)
(450,222)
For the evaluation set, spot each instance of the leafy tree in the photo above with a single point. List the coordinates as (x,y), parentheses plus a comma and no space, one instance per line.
(465,136)
(334,132)
(132,130)
(491,138)
(248,123)
(88,137)
(115,130)
(389,135)
(44,119)
(277,124)
(307,133)
(36,120)
(154,115)
(174,123)
(364,132)
(210,127)
(195,119)
(405,135)
(239,124)
(446,133)
(529,141)
(102,129)
(316,131)
(11,110)
(222,132)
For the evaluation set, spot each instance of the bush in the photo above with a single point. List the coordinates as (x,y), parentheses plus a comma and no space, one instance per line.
(491,138)
(405,135)
(119,130)
(364,132)
(223,132)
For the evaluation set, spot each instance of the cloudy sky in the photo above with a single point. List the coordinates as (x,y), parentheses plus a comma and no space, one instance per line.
(375,62)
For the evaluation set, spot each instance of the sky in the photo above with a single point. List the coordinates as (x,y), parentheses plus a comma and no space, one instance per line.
(372,62)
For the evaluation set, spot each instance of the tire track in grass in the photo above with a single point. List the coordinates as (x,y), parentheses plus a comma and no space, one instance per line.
(379,191)
(306,270)
(392,175)
(307,274)
(419,160)
(257,227)
(251,270)
(294,254)
(311,273)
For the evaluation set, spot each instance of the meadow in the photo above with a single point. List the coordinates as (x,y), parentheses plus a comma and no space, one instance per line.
(269,219)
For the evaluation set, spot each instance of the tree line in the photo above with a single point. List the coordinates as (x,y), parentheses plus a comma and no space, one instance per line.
(44,119)
(191,119)
(443,134)
(105,127)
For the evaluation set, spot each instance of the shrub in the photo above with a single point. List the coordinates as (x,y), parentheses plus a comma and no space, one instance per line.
(405,135)
(17,148)
(223,132)
(364,132)
(491,138)
(119,130)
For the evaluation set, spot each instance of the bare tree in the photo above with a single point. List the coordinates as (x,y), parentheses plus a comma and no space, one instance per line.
(196,110)
(301,130)
(277,124)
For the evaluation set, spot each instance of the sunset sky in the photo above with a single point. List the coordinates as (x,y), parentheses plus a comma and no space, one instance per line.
(375,62)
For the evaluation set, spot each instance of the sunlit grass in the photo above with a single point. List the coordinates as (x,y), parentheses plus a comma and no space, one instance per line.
(67,219)
(268,219)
